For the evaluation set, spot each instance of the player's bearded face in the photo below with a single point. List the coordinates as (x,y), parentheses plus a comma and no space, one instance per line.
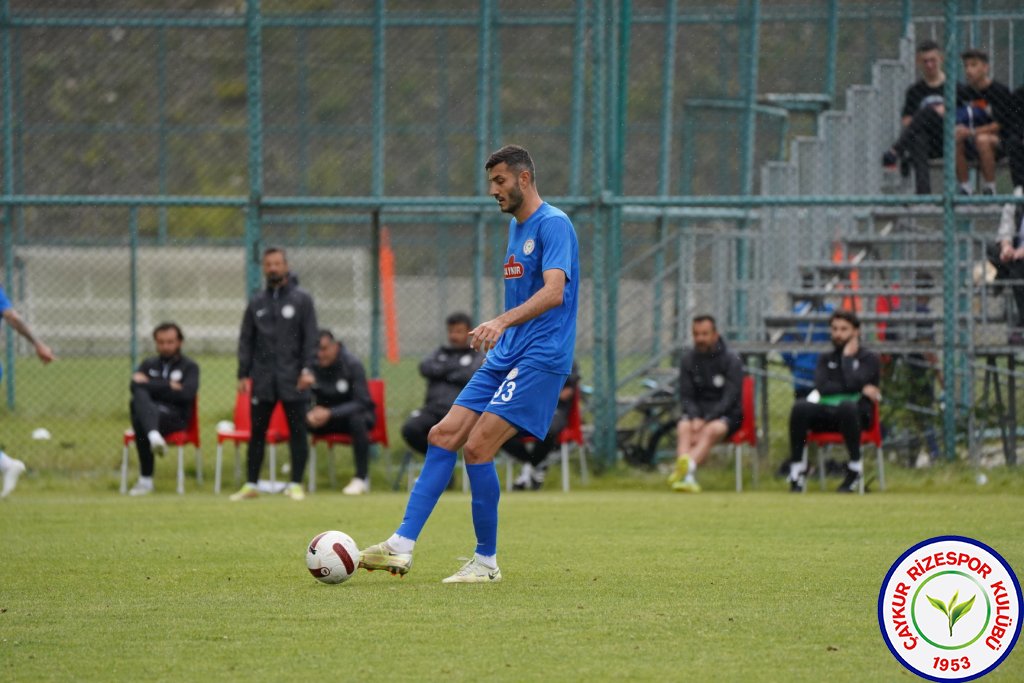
(841,333)
(514,200)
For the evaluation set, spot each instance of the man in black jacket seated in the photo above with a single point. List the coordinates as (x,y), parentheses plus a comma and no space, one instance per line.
(163,390)
(845,391)
(710,392)
(343,405)
(277,350)
(447,369)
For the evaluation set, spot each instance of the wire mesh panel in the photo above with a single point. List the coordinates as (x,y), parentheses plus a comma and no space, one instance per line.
(742,159)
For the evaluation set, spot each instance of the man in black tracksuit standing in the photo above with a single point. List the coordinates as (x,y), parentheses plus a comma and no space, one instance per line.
(710,395)
(277,350)
(845,391)
(164,390)
(343,405)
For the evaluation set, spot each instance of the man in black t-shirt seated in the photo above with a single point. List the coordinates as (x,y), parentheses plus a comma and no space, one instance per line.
(986,123)
(923,109)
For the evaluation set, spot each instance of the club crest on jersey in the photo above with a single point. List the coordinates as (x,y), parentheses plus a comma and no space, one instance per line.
(528,246)
(513,270)
(288,311)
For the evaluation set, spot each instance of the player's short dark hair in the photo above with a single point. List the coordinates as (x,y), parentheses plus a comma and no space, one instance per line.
(927,46)
(276,250)
(459,318)
(705,317)
(168,325)
(848,316)
(974,53)
(516,158)
(324,332)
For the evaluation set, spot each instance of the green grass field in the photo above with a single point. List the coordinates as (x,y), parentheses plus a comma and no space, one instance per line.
(599,585)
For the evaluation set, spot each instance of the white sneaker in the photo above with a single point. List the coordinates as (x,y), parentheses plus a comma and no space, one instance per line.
(143,487)
(156,442)
(294,491)
(356,487)
(13,470)
(474,572)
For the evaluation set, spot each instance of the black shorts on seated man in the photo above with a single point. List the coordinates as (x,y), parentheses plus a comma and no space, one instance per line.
(845,391)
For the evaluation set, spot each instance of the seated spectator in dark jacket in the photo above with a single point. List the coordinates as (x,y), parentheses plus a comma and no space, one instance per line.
(163,388)
(446,370)
(343,405)
(923,109)
(534,454)
(986,124)
(845,391)
(710,395)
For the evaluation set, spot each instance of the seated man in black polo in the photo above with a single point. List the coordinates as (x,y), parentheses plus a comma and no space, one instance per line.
(534,454)
(845,391)
(343,405)
(446,370)
(163,390)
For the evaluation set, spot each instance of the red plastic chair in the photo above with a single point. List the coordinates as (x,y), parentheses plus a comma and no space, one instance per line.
(378,435)
(277,433)
(746,435)
(188,436)
(571,435)
(872,436)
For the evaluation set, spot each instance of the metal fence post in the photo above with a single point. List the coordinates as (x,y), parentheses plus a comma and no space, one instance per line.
(604,405)
(831,49)
(254,107)
(747,141)
(949,235)
(482,148)
(8,144)
(375,312)
(133,277)
(664,162)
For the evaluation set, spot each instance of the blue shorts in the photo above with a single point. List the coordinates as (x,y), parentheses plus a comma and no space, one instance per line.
(524,397)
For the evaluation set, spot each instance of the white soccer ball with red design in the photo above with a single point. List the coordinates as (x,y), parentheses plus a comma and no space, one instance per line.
(332,557)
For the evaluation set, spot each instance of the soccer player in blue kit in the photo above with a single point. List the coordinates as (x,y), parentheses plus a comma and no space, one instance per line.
(529,356)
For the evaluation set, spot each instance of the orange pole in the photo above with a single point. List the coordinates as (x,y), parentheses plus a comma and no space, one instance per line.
(387,289)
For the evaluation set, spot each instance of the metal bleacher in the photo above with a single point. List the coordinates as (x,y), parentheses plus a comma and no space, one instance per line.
(867,252)
(875,258)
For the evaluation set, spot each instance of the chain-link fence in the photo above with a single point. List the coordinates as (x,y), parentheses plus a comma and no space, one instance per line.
(722,159)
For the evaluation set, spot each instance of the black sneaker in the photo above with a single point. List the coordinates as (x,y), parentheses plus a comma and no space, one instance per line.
(988,192)
(850,482)
(797,485)
(890,161)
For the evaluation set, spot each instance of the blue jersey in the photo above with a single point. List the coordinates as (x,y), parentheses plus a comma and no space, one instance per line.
(546,241)
(5,303)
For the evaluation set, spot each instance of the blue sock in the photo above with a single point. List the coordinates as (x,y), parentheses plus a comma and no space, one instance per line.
(483,483)
(434,477)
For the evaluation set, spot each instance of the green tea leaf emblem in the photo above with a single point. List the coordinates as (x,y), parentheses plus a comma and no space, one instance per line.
(953,612)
